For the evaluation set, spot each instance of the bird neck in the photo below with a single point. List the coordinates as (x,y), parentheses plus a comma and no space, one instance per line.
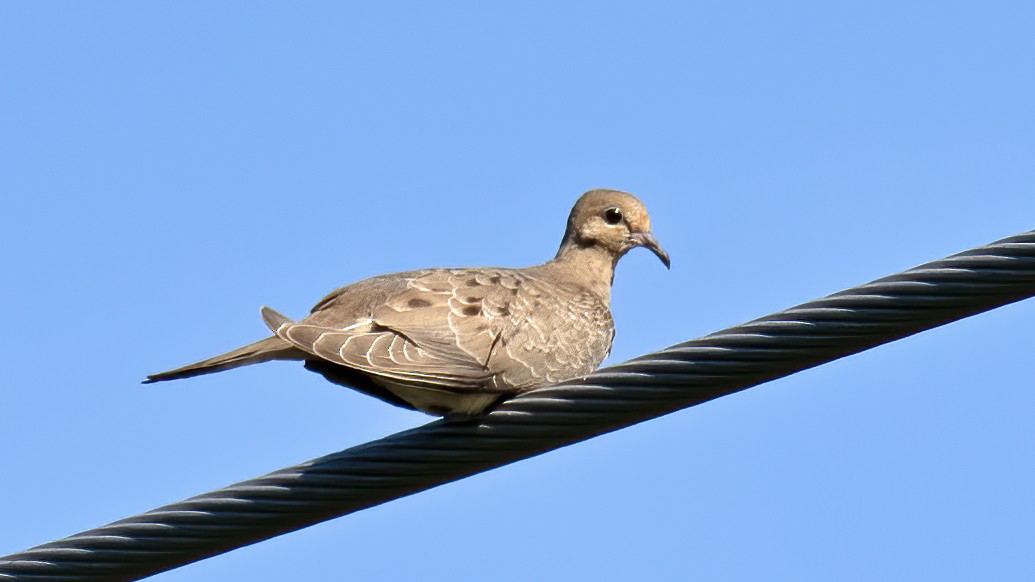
(589,266)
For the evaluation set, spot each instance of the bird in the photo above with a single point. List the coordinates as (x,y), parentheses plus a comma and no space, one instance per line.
(454,342)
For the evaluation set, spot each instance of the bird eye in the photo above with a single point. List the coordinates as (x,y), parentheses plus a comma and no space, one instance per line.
(613,215)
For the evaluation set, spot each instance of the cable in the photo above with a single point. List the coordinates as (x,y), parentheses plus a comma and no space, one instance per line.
(541,420)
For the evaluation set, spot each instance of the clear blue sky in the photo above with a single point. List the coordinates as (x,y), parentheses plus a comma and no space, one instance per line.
(167,168)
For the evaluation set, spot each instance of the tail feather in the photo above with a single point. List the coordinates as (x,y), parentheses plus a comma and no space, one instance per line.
(273,319)
(272,348)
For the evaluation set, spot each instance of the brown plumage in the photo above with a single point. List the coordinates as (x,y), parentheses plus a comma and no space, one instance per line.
(452,342)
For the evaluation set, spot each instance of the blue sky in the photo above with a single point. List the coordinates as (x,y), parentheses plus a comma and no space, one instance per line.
(167,168)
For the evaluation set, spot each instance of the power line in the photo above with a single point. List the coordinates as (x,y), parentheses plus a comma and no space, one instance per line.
(541,420)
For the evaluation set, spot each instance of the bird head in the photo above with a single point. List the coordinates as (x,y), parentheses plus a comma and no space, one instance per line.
(615,221)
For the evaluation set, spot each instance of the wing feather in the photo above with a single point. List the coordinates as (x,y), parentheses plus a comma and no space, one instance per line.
(381,351)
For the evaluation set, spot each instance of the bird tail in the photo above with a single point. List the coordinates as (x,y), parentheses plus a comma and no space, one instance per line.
(271,348)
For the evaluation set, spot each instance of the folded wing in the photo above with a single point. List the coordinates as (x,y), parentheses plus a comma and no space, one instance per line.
(438,330)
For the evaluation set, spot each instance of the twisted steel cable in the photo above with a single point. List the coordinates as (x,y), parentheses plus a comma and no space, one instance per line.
(541,420)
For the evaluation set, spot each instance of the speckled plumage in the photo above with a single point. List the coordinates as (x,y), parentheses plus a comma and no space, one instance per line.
(452,342)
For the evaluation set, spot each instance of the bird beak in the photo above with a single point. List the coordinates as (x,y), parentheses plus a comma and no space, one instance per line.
(647,240)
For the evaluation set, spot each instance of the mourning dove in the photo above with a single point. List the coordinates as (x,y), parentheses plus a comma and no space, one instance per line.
(452,342)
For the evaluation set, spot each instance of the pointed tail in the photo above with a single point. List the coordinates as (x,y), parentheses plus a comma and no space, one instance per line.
(272,348)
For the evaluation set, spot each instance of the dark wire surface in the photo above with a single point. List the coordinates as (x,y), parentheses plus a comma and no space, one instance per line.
(544,419)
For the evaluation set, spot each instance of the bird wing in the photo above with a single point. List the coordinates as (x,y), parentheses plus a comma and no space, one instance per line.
(433,328)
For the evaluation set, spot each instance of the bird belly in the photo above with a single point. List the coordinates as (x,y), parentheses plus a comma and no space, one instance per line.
(438,402)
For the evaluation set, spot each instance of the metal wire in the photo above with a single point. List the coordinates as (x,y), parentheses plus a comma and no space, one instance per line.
(544,419)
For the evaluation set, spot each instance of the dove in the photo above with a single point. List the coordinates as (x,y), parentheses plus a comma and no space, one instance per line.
(454,342)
